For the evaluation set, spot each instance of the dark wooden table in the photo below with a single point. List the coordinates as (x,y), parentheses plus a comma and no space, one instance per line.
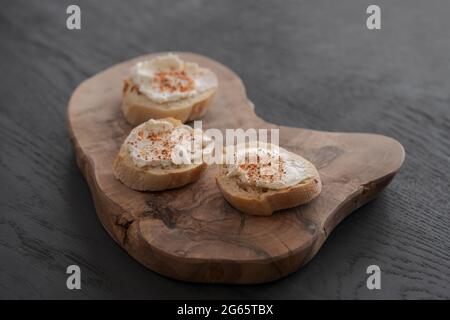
(310,64)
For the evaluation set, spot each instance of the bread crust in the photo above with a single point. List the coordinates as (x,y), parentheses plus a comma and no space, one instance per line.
(154,178)
(138,108)
(263,202)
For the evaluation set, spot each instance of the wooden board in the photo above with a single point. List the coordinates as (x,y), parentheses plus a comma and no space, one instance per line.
(192,233)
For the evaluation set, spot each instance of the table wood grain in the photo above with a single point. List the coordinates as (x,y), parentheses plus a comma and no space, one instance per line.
(305,64)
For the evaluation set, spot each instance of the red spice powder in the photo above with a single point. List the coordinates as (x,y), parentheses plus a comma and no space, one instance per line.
(174,81)
(254,170)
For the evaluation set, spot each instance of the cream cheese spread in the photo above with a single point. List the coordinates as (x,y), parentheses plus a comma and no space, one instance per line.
(168,78)
(267,166)
(158,143)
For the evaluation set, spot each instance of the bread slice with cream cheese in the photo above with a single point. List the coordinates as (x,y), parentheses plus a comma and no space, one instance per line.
(166,86)
(135,169)
(263,200)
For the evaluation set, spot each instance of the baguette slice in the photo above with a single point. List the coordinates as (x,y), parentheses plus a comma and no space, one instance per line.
(154,178)
(262,201)
(138,108)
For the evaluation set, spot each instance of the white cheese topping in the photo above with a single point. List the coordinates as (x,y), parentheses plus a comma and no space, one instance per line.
(168,78)
(267,166)
(157,143)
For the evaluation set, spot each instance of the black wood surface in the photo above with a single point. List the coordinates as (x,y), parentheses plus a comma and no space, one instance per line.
(310,64)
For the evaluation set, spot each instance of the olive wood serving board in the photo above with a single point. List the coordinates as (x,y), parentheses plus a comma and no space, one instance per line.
(192,233)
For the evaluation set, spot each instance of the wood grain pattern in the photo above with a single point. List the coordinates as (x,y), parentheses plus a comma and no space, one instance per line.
(192,233)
